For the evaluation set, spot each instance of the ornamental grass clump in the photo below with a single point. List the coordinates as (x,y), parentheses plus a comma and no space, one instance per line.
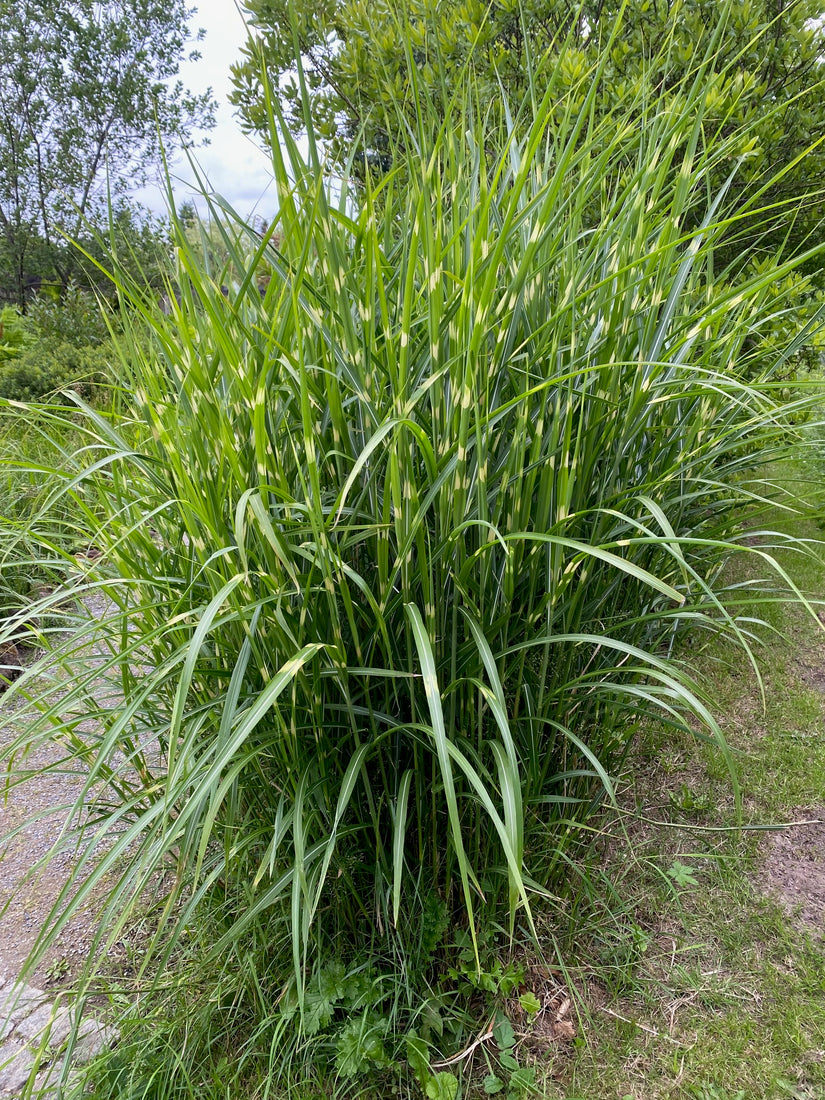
(400,523)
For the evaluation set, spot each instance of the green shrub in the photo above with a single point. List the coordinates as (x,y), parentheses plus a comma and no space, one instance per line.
(792,320)
(43,368)
(60,343)
(39,529)
(75,318)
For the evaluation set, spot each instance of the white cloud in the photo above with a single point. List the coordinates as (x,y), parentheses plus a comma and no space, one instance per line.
(233,164)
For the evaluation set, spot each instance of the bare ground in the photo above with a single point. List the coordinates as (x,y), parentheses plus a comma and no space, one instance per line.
(793,870)
(34,825)
(28,894)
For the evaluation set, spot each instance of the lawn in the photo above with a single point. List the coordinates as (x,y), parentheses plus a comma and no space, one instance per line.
(709,983)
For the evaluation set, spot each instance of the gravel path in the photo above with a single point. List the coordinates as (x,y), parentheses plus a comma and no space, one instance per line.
(37,813)
(34,811)
(27,898)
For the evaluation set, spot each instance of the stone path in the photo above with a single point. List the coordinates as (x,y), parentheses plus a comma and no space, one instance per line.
(35,1024)
(34,1030)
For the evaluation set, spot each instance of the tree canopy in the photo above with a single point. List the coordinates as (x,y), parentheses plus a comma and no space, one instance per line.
(359,56)
(361,59)
(89,91)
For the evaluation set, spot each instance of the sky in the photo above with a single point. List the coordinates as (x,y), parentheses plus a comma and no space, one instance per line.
(235,167)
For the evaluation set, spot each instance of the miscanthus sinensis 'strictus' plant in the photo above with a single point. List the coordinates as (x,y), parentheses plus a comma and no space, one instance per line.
(404,513)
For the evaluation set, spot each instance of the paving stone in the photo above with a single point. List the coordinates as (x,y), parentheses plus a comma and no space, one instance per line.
(47,1082)
(98,1038)
(15,1066)
(33,1026)
(16,1005)
(26,1013)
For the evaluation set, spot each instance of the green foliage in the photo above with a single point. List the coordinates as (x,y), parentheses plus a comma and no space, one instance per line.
(364,61)
(62,342)
(441,1086)
(483,970)
(622,948)
(35,550)
(12,334)
(44,368)
(124,233)
(799,303)
(360,1045)
(75,317)
(520,1080)
(368,68)
(504,1035)
(682,875)
(398,552)
(530,1003)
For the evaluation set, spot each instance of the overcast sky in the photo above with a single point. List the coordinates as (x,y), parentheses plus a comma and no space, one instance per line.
(234,166)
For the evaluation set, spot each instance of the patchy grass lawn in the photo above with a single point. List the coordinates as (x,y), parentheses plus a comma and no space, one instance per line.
(711,985)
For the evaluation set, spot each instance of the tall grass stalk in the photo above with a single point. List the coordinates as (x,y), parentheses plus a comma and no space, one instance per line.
(399,532)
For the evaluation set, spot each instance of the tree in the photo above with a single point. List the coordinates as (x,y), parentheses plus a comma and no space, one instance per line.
(362,58)
(359,56)
(88,95)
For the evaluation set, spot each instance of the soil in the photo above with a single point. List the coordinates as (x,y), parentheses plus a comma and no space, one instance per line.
(793,870)
(12,660)
(813,676)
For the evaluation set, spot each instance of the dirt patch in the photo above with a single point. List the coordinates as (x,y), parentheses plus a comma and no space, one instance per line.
(793,870)
(811,675)
(13,658)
